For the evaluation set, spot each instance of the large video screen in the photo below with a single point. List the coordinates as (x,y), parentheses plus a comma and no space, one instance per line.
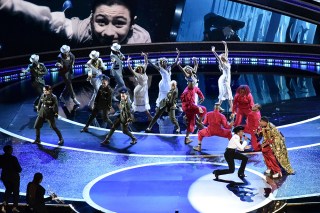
(226,20)
(34,26)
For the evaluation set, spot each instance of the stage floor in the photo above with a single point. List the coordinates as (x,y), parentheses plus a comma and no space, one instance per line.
(159,173)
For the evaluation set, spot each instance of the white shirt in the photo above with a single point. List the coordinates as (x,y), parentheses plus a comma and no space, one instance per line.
(234,143)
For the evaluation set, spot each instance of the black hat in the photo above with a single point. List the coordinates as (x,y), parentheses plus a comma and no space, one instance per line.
(123,90)
(104,77)
(237,129)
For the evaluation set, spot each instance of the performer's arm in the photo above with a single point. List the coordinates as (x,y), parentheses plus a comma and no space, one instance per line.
(44,69)
(205,121)
(110,99)
(251,100)
(102,66)
(196,64)
(177,59)
(182,70)
(226,51)
(145,64)
(40,102)
(224,122)
(216,55)
(240,146)
(153,65)
(200,94)
(55,105)
(130,68)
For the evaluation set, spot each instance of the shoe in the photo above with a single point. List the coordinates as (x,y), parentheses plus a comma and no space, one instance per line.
(215,175)
(36,141)
(134,141)
(147,130)
(277,175)
(3,209)
(197,148)
(268,171)
(61,142)
(177,131)
(76,102)
(14,209)
(242,176)
(84,129)
(187,140)
(105,142)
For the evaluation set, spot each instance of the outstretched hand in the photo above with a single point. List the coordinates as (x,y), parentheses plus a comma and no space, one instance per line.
(223,42)
(144,54)
(213,48)
(177,50)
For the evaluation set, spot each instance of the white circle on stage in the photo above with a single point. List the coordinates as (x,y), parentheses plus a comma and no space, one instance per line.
(229,193)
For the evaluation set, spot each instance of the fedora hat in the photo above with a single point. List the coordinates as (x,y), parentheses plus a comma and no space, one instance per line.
(237,129)
(94,54)
(34,58)
(115,47)
(65,49)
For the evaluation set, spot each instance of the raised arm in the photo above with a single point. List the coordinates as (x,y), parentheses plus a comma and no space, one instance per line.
(226,51)
(213,49)
(182,70)
(177,58)
(195,64)
(145,55)
(129,66)
(153,65)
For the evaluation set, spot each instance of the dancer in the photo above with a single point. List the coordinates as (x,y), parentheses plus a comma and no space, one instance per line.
(47,110)
(38,71)
(217,126)
(252,124)
(140,93)
(275,141)
(117,68)
(190,108)
(10,176)
(231,153)
(242,104)
(165,72)
(123,119)
(96,67)
(65,63)
(169,105)
(224,81)
(102,102)
(188,71)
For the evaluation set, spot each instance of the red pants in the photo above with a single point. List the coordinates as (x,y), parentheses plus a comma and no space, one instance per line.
(270,160)
(207,132)
(191,117)
(240,114)
(254,142)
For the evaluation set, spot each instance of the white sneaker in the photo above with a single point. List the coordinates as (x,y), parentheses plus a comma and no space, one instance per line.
(3,209)
(268,171)
(278,175)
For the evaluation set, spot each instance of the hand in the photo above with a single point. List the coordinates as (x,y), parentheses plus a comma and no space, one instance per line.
(200,110)
(231,123)
(223,42)
(232,115)
(213,49)
(56,115)
(194,59)
(144,54)
(245,137)
(58,65)
(177,50)
(247,147)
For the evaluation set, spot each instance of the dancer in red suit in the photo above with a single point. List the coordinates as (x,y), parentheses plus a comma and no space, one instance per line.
(242,103)
(252,124)
(190,108)
(217,126)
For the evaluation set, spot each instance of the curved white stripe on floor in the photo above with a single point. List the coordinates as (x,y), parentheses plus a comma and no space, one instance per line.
(147,155)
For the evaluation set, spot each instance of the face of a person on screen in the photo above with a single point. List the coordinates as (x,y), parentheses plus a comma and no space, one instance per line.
(111,24)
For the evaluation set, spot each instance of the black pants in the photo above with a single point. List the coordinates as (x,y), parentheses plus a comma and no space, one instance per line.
(159,112)
(94,114)
(124,128)
(12,187)
(39,89)
(230,155)
(39,123)
(68,89)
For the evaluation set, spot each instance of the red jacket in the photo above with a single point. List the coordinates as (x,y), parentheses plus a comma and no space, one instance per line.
(242,102)
(215,120)
(253,119)
(188,97)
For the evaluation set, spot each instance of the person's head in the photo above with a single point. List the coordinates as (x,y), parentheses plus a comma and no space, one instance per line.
(65,50)
(112,20)
(47,90)
(37,178)
(173,84)
(7,149)
(94,55)
(243,90)
(139,69)
(190,83)
(239,130)
(223,58)
(123,93)
(104,81)
(188,69)
(163,62)
(34,59)
(256,107)
(264,121)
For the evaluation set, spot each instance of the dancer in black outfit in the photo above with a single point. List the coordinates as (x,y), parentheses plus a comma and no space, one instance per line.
(231,153)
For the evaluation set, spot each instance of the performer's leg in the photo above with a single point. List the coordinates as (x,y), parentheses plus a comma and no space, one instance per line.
(15,192)
(201,134)
(155,118)
(190,125)
(244,160)
(229,156)
(225,133)
(239,117)
(113,128)
(254,142)
(92,116)
(38,125)
(270,160)
(172,116)
(53,125)
(106,118)
(126,131)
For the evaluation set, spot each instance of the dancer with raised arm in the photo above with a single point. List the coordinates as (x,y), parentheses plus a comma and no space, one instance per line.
(96,67)
(117,68)
(140,93)
(165,72)
(224,81)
